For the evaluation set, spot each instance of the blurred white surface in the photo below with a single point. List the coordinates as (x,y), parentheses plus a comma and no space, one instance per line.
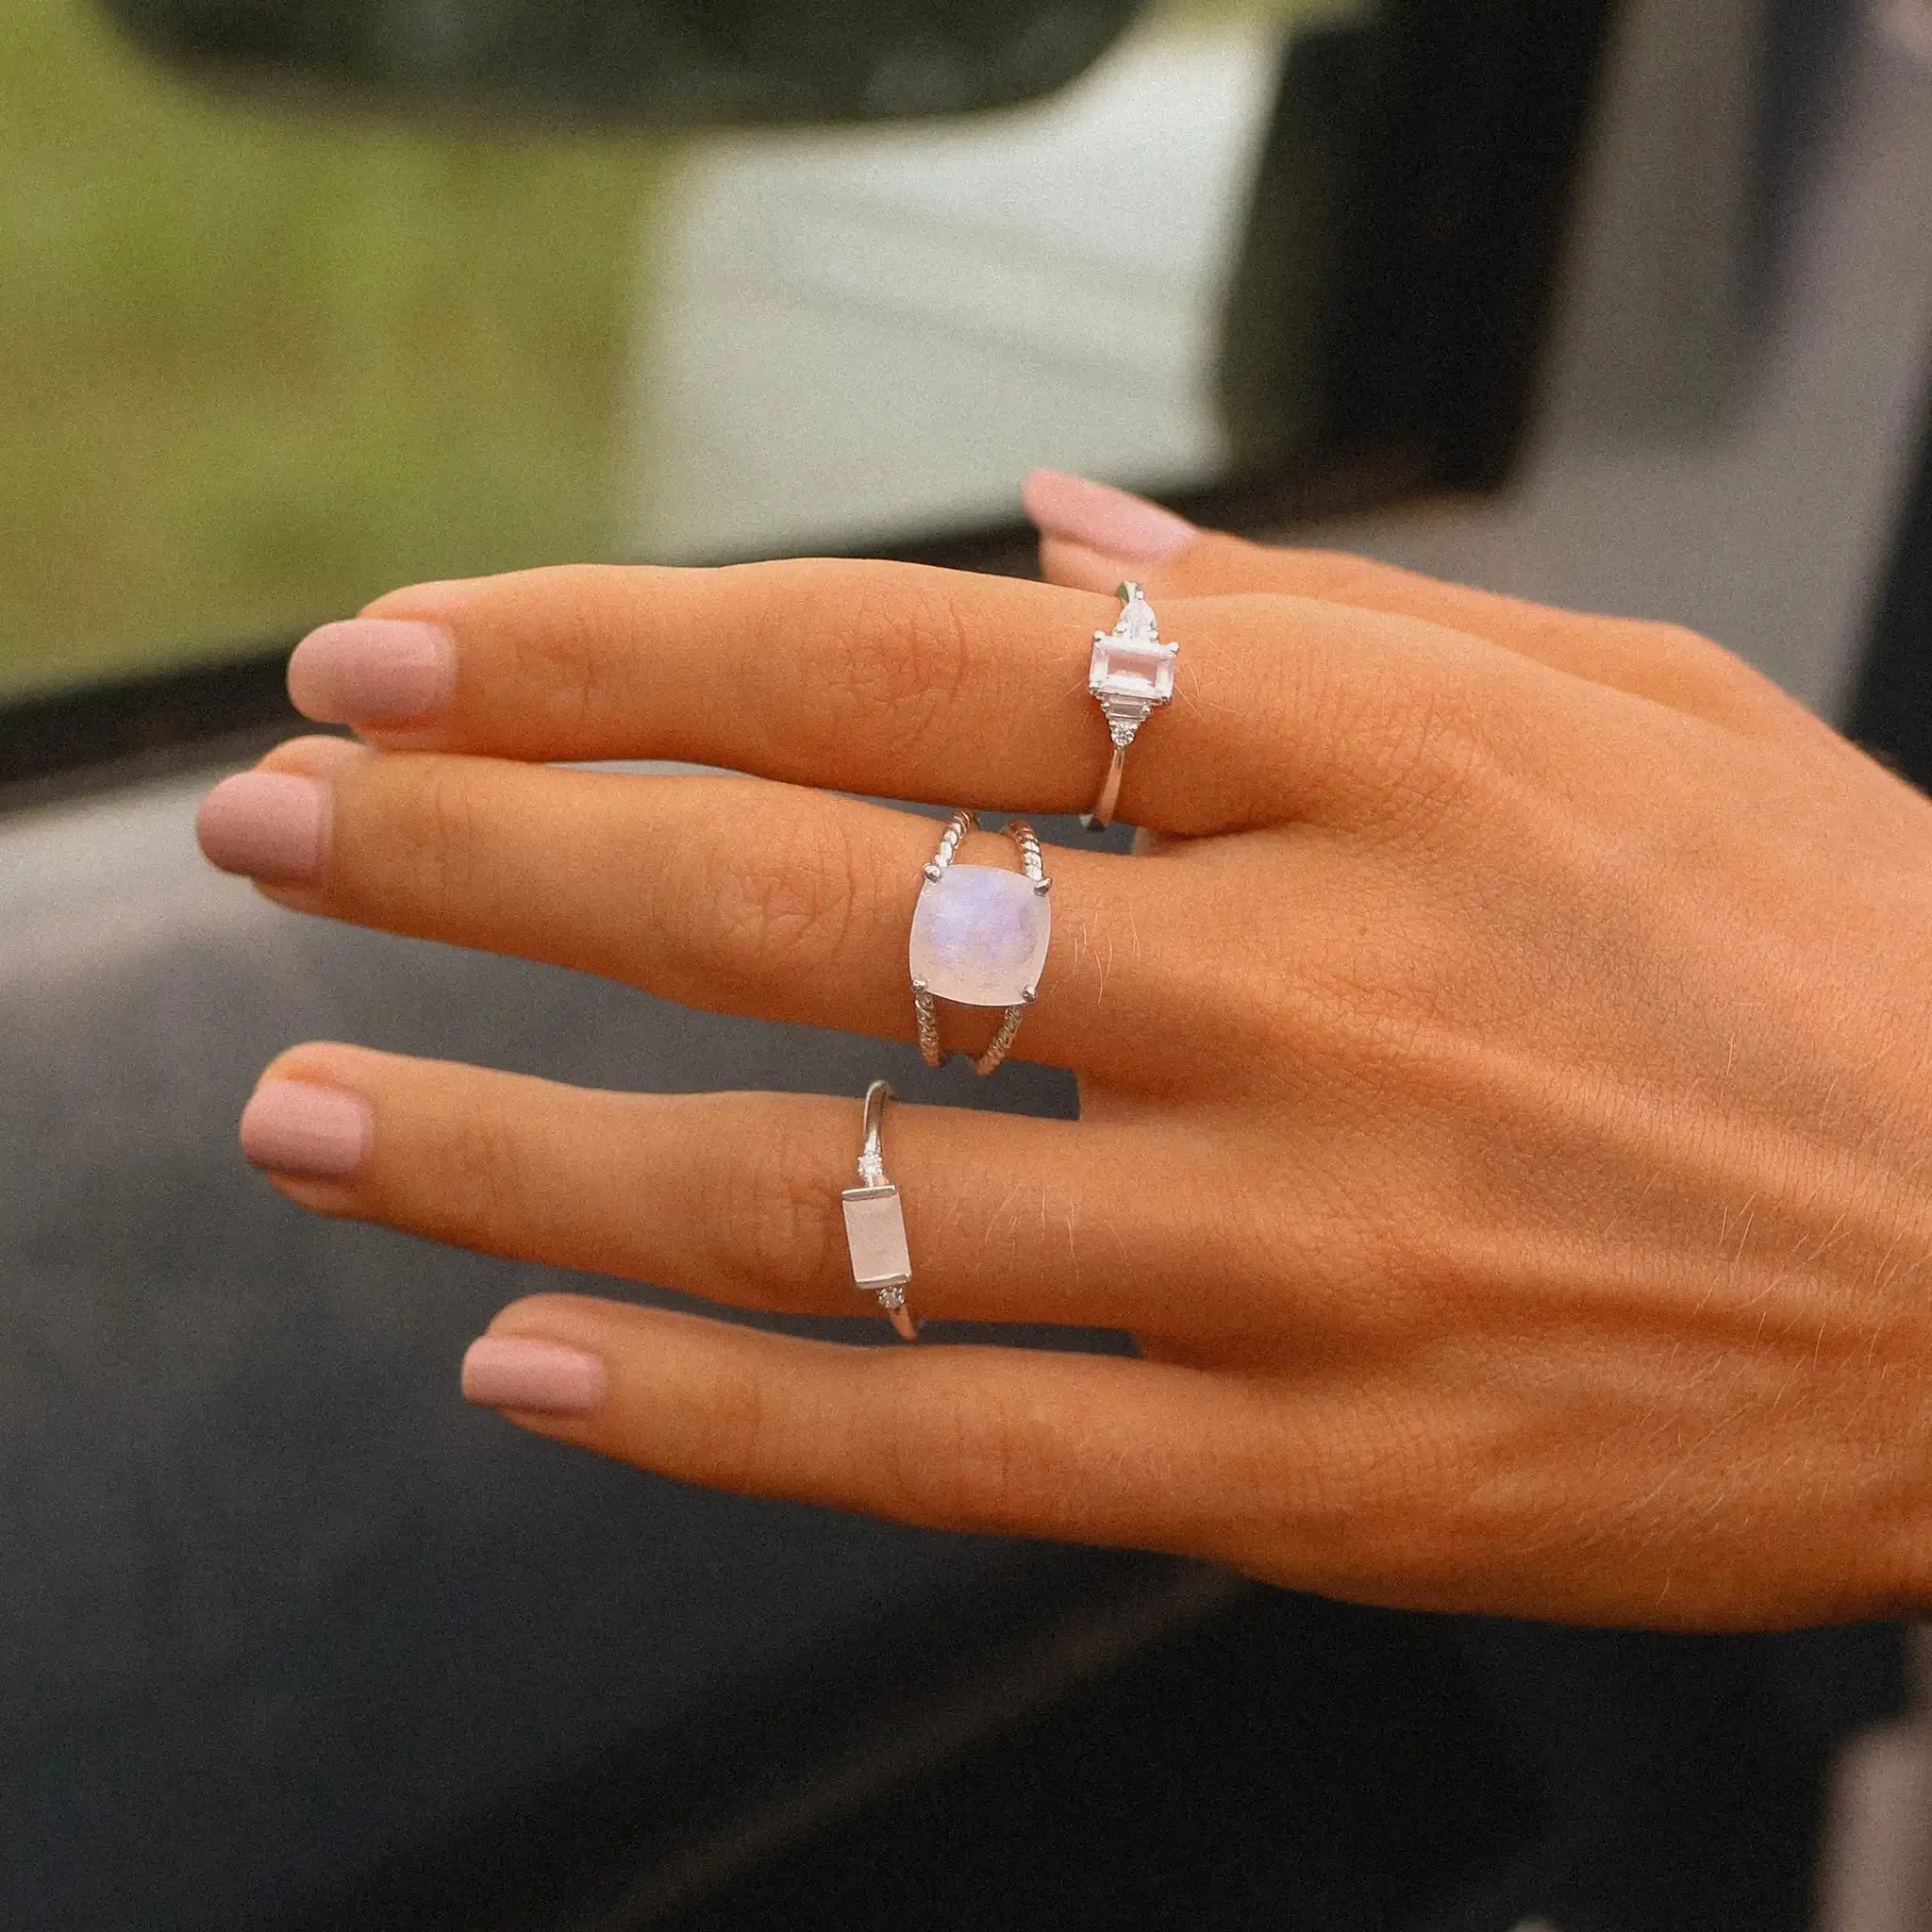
(881,332)
(1909,24)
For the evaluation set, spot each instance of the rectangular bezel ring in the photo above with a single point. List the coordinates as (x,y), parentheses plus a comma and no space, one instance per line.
(876,1237)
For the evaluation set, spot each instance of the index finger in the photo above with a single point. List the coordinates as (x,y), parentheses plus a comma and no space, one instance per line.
(896,680)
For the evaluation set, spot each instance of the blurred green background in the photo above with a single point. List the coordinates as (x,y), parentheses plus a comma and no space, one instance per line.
(261,358)
(257,364)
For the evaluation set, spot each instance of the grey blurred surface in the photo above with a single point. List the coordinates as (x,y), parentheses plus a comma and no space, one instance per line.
(275,1604)
(1740,372)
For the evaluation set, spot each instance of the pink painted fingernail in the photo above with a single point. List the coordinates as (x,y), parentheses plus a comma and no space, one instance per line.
(318,1133)
(516,1372)
(266,824)
(373,671)
(1104,519)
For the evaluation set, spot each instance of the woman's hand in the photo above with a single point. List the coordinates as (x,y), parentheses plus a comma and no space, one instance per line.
(1505,1067)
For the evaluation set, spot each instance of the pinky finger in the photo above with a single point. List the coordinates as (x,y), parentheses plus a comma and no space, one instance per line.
(1082,1448)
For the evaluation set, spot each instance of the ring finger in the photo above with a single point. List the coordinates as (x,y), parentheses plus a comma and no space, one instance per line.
(735,1196)
(734,894)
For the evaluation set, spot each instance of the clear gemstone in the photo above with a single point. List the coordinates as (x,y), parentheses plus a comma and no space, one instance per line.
(1135,623)
(980,936)
(1130,662)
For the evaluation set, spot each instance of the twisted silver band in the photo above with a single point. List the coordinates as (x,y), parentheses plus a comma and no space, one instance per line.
(925,1001)
(876,1223)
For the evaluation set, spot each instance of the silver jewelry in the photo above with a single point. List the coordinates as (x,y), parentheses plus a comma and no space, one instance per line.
(1131,673)
(979,938)
(876,1223)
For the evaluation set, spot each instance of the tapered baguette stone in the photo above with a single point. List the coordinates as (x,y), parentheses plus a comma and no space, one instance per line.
(980,936)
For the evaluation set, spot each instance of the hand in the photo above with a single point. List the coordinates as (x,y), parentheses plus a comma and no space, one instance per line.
(1505,1069)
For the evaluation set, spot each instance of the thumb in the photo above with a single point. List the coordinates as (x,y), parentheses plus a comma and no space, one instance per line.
(1091,536)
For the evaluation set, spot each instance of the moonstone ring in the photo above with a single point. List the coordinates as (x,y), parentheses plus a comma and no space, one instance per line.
(876,1223)
(979,938)
(1131,672)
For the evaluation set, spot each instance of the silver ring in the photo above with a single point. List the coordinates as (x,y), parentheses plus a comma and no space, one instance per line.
(876,1223)
(1131,674)
(979,938)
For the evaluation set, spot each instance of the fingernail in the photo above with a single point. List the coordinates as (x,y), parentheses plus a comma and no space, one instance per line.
(1104,519)
(295,1127)
(266,824)
(514,1371)
(373,671)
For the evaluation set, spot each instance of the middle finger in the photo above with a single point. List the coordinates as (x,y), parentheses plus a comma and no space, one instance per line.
(734,894)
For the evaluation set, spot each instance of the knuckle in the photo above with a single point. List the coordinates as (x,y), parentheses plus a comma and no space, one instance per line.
(1731,677)
(787,902)
(897,651)
(1394,736)
(1661,640)
(574,663)
(732,1447)
(445,814)
(960,1462)
(1376,1507)
(475,1185)
(1694,661)
(772,1222)
(1429,754)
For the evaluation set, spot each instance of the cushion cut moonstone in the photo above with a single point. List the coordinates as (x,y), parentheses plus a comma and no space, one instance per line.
(980,936)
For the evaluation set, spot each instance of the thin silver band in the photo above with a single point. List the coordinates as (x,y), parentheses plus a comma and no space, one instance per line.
(1101,815)
(924,1007)
(877,1200)
(871,1153)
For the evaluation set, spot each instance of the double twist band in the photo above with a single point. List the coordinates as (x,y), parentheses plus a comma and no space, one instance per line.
(979,938)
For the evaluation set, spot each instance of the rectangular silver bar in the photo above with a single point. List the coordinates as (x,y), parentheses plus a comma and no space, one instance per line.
(875,1236)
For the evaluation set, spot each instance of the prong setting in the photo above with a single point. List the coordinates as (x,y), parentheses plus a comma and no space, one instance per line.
(980,937)
(876,1223)
(1130,675)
